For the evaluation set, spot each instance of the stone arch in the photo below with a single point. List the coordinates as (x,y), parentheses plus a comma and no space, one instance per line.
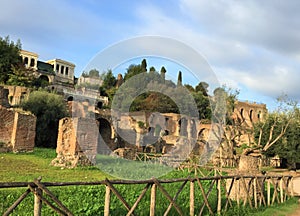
(201,134)
(105,140)
(251,115)
(32,62)
(26,61)
(242,113)
(43,81)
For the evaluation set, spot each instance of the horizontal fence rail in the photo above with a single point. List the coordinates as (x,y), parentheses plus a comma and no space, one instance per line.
(252,191)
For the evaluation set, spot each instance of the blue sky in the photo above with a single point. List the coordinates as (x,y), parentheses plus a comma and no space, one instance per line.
(253,45)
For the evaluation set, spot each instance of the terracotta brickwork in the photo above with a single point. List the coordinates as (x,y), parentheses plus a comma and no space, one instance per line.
(77,142)
(17,130)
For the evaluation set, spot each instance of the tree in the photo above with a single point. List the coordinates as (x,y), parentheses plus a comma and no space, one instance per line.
(144,65)
(163,72)
(49,108)
(9,56)
(276,123)
(109,80)
(21,76)
(94,73)
(132,70)
(202,87)
(152,69)
(279,133)
(179,80)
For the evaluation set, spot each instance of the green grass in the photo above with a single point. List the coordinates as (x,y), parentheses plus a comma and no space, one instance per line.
(89,200)
(282,209)
(28,166)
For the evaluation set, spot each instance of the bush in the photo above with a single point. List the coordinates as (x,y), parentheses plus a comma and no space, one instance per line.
(48,108)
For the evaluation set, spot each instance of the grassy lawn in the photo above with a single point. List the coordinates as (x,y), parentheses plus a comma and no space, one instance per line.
(28,166)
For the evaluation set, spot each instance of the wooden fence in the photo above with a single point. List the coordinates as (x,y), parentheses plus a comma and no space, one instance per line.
(252,191)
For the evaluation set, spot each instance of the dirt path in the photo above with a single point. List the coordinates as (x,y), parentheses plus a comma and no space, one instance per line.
(295,213)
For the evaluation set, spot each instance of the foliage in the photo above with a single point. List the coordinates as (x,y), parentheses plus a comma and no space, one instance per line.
(9,56)
(152,69)
(202,87)
(132,70)
(21,76)
(92,73)
(144,65)
(109,81)
(48,108)
(279,133)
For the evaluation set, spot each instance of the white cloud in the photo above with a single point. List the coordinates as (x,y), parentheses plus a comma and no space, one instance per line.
(249,44)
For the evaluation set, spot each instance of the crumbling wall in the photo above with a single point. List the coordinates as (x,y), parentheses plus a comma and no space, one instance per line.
(4,97)
(17,130)
(77,142)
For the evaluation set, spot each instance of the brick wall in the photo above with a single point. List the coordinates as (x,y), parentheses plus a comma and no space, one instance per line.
(17,130)
(77,142)
(23,134)
(6,125)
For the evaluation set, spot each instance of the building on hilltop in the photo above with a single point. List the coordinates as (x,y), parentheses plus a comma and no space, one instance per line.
(89,81)
(30,59)
(64,71)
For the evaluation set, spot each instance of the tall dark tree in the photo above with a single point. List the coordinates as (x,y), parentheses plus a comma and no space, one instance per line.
(144,65)
(179,80)
(163,72)
(109,80)
(152,69)
(9,56)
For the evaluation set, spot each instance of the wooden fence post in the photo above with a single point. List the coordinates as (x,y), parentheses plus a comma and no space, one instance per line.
(255,192)
(192,198)
(268,192)
(107,201)
(152,201)
(37,202)
(281,189)
(219,195)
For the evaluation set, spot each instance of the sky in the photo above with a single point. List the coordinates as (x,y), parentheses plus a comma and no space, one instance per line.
(252,46)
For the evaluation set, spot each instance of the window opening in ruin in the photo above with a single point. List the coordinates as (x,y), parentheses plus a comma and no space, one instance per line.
(32,62)
(99,104)
(251,114)
(26,61)
(62,69)
(259,115)
(242,113)
(104,138)
(70,98)
(57,68)
(67,71)
(201,134)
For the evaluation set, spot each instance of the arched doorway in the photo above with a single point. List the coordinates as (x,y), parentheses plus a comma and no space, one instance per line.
(42,81)
(105,133)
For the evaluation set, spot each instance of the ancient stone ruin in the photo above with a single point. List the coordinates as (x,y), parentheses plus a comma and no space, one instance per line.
(77,142)
(17,128)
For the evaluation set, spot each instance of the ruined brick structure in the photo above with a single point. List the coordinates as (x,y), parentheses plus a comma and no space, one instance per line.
(77,142)
(17,130)
(17,94)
